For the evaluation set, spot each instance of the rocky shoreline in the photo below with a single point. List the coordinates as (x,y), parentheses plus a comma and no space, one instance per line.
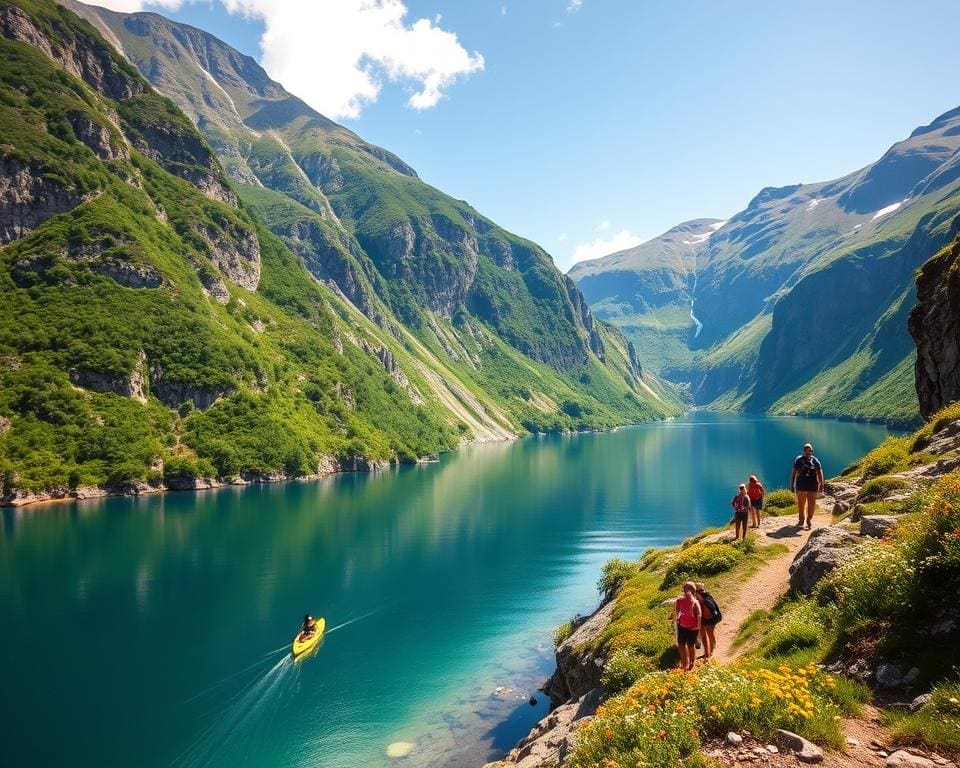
(575,689)
(22,498)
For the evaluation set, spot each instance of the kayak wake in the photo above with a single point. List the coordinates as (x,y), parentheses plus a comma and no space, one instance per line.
(241,719)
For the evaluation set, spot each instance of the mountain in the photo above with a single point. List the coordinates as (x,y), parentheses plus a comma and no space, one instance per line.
(174,313)
(800,301)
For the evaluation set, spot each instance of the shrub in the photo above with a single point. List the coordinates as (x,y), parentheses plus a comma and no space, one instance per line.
(874,583)
(931,539)
(799,628)
(660,720)
(624,669)
(937,422)
(562,632)
(615,573)
(878,487)
(184,468)
(890,455)
(779,499)
(702,560)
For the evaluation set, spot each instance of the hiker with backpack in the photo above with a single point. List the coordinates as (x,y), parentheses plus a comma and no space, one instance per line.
(687,616)
(806,481)
(756,492)
(741,514)
(711,616)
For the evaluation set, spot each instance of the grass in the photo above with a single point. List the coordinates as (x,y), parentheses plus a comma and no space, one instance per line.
(935,726)
(890,456)
(877,487)
(780,503)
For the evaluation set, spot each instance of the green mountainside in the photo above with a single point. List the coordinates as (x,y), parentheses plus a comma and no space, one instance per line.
(166,318)
(803,297)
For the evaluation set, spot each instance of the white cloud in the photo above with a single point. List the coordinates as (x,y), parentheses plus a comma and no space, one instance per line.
(337,54)
(503,10)
(130,6)
(603,247)
(574,5)
(562,236)
(605,224)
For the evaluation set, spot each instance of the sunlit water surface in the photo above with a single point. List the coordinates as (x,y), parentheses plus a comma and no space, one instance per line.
(155,631)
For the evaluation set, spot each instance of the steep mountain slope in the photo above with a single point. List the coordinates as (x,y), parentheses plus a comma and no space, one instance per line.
(408,256)
(154,331)
(803,296)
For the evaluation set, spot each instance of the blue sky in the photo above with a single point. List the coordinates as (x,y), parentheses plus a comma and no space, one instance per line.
(617,119)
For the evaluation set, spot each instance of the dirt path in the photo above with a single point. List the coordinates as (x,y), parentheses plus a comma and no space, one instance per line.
(766,586)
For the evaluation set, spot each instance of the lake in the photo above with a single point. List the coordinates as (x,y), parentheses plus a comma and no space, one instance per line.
(155,631)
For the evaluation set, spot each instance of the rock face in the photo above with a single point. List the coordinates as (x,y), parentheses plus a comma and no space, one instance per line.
(28,198)
(824,551)
(552,740)
(132,385)
(578,671)
(877,526)
(935,326)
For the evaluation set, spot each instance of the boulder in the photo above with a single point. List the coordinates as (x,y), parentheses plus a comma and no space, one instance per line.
(734,738)
(806,751)
(921,701)
(888,675)
(877,526)
(825,550)
(903,759)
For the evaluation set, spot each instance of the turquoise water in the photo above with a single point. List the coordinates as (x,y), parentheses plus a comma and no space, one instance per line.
(154,631)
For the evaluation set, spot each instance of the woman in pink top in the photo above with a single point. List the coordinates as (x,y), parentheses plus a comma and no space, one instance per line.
(688,616)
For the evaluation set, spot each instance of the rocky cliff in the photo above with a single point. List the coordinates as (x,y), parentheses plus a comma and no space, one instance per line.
(935,326)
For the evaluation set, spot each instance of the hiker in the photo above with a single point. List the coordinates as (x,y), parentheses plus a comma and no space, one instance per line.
(687,615)
(806,481)
(711,616)
(741,513)
(755,491)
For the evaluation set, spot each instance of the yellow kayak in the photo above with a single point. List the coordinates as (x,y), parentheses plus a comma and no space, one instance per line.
(303,644)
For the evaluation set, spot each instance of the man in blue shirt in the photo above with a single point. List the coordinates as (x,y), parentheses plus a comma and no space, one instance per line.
(806,481)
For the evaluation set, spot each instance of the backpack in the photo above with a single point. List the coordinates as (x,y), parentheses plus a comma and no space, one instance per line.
(712,605)
(807,467)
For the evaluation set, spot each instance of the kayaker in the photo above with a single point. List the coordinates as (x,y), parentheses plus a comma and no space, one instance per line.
(309,626)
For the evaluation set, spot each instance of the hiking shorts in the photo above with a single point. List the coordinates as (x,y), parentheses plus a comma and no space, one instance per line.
(711,622)
(740,517)
(757,504)
(687,636)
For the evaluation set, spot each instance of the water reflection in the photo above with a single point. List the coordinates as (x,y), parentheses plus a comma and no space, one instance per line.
(464,567)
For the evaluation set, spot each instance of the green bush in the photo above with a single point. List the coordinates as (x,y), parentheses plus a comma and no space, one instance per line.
(939,420)
(615,572)
(623,669)
(878,487)
(799,628)
(702,560)
(779,499)
(892,454)
(874,583)
(562,632)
